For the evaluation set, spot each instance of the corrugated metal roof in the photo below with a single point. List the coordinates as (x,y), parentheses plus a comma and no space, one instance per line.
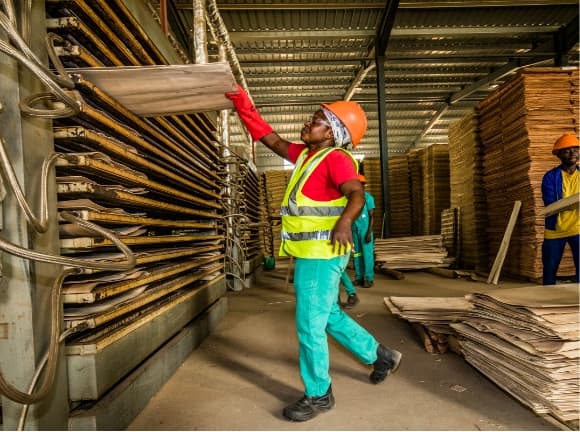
(441,59)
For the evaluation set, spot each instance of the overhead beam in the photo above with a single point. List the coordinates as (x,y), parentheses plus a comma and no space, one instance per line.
(467,31)
(378,4)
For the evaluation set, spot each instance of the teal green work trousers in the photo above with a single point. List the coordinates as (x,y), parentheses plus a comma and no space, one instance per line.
(364,255)
(318,313)
(348,285)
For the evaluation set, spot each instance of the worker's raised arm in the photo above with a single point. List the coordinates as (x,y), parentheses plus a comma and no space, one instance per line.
(258,128)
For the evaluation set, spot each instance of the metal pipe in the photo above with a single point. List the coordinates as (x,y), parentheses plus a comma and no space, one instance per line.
(199,32)
(215,19)
(163,16)
(232,251)
(358,79)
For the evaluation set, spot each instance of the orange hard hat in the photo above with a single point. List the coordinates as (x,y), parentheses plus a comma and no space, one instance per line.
(352,116)
(565,141)
(362,178)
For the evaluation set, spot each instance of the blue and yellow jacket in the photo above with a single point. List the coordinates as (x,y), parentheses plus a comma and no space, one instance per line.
(552,192)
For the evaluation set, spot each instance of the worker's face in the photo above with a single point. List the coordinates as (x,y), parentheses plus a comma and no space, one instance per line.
(568,156)
(316,130)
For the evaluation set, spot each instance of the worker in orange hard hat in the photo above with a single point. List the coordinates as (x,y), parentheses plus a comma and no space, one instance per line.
(564,227)
(323,198)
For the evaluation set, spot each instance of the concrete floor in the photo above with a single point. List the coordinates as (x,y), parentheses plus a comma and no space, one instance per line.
(242,376)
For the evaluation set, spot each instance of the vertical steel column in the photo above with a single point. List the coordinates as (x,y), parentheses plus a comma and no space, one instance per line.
(383,143)
(564,40)
(25,285)
(381,41)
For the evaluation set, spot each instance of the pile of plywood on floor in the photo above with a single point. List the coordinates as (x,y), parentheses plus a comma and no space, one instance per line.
(411,253)
(527,340)
(431,318)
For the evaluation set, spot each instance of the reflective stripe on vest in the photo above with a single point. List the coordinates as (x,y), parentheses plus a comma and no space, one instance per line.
(312,211)
(316,235)
(307,224)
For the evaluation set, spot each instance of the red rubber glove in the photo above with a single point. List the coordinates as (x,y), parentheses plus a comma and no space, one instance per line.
(249,115)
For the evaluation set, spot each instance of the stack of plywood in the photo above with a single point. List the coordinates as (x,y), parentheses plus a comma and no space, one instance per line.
(371,168)
(415,162)
(267,239)
(450,230)
(468,192)
(435,186)
(519,124)
(407,253)
(399,196)
(251,226)
(527,340)
(275,183)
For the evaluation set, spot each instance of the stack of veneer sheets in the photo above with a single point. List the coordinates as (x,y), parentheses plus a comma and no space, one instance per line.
(435,186)
(468,191)
(415,161)
(519,124)
(251,236)
(275,183)
(372,171)
(450,230)
(399,196)
(527,340)
(266,232)
(409,253)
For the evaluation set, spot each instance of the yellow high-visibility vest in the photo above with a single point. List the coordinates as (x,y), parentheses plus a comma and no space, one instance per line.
(307,224)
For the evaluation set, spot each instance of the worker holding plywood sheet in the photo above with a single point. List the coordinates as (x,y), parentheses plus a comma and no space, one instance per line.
(563,227)
(322,199)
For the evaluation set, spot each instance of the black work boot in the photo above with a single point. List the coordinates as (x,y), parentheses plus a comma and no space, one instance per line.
(351,301)
(387,362)
(367,283)
(308,407)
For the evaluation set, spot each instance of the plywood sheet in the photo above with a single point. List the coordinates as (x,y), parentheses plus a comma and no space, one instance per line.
(151,91)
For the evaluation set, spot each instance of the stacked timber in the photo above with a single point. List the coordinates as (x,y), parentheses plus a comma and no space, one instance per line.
(519,124)
(409,253)
(266,232)
(399,196)
(415,161)
(251,226)
(275,183)
(468,191)
(371,168)
(527,340)
(435,186)
(431,317)
(450,230)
